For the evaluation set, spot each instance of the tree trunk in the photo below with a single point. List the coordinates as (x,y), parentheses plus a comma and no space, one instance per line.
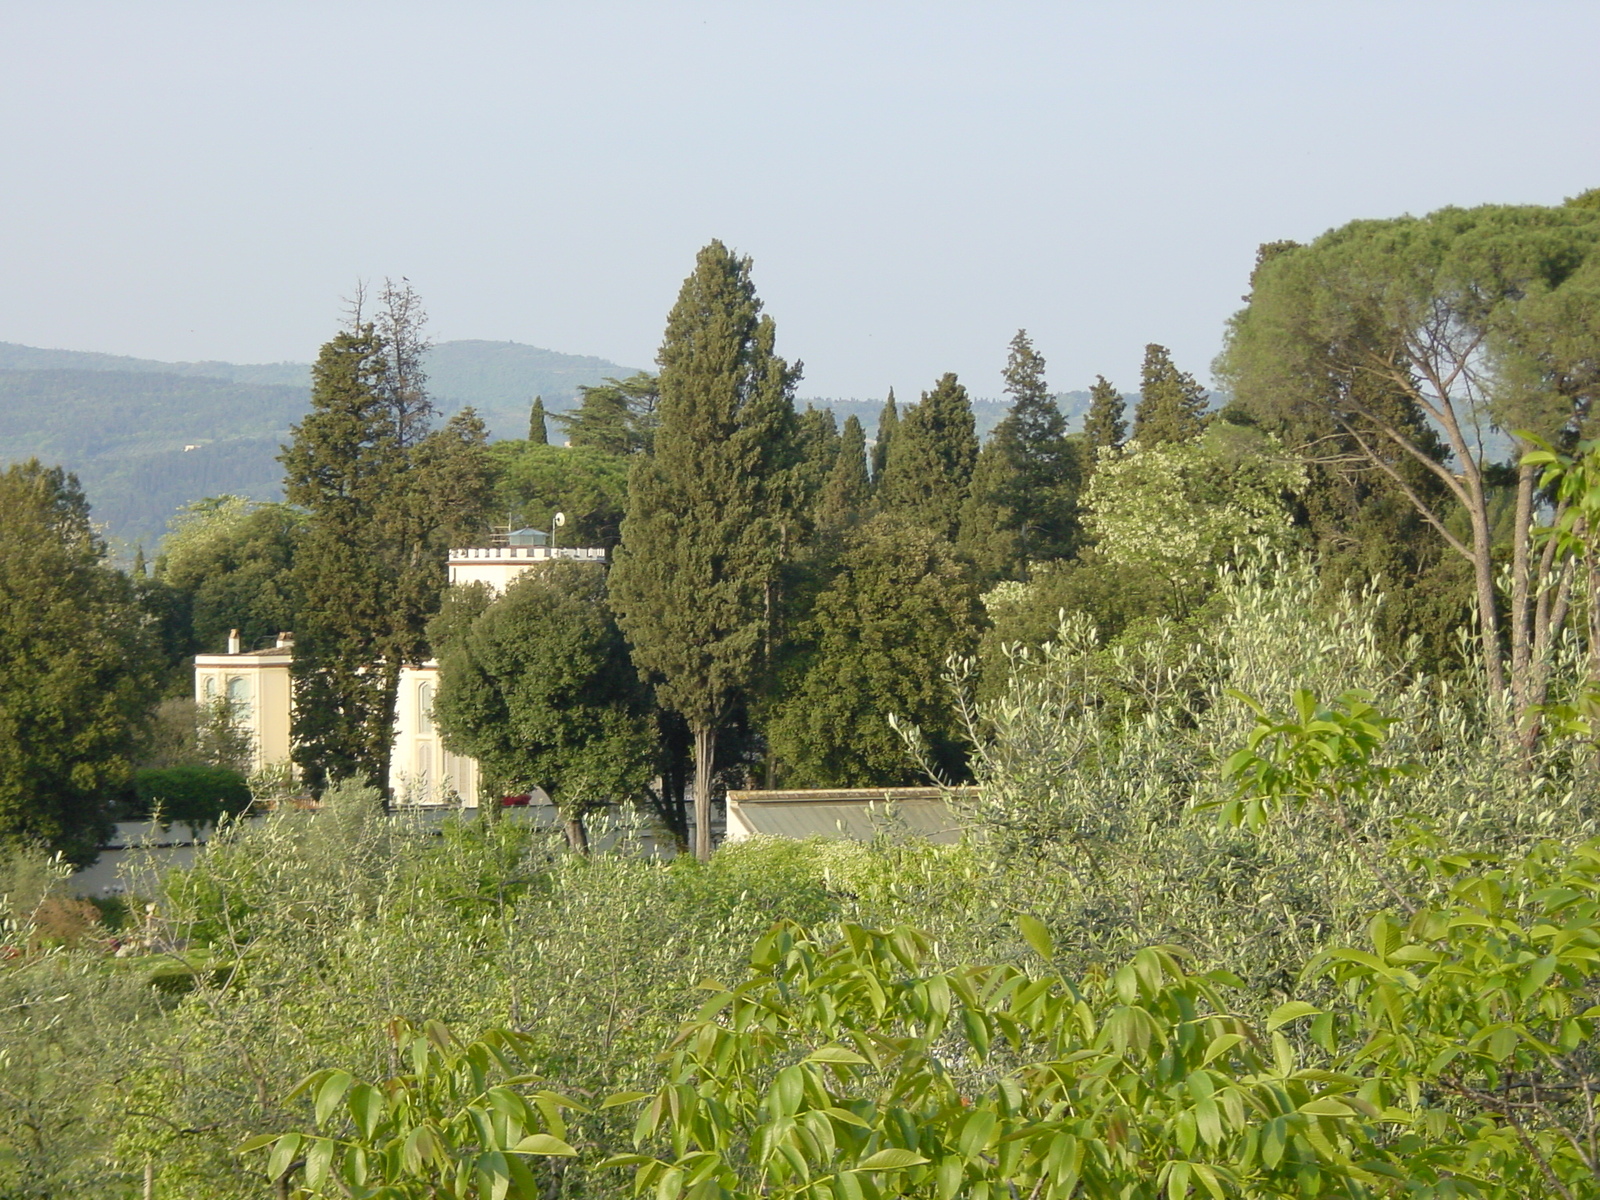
(577,835)
(1522,631)
(1488,608)
(705,750)
(677,747)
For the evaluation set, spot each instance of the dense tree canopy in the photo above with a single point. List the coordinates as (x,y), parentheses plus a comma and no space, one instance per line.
(817,445)
(1406,342)
(990,538)
(932,453)
(617,416)
(385,497)
(231,561)
(1249,899)
(78,671)
(537,686)
(534,482)
(1179,509)
(874,647)
(847,491)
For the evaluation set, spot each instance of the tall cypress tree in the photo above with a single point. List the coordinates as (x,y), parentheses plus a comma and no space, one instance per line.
(538,429)
(1038,420)
(931,458)
(818,446)
(343,463)
(702,543)
(385,498)
(1047,472)
(888,422)
(848,489)
(990,539)
(1105,428)
(1171,406)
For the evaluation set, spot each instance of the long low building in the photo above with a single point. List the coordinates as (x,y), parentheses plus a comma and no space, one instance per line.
(854,814)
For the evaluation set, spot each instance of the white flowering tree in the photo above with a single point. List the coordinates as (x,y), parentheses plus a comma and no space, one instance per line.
(1179,508)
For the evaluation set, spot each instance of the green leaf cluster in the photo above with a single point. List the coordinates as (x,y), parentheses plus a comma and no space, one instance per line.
(231,562)
(193,795)
(533,482)
(856,1068)
(460,1123)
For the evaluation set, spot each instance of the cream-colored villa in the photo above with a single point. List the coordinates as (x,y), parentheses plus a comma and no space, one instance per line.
(421,770)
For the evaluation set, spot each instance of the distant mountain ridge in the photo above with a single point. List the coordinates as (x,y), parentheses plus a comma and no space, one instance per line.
(146,437)
(499,379)
(14,357)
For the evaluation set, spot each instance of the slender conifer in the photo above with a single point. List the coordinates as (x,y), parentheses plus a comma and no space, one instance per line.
(848,489)
(708,513)
(1171,406)
(1106,426)
(931,457)
(888,422)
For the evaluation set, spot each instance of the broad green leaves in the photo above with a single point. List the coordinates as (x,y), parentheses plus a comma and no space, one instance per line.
(984,1082)
(457,1125)
(1474,1020)
(1319,753)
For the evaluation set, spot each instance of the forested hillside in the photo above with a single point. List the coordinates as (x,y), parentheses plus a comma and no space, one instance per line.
(124,434)
(122,423)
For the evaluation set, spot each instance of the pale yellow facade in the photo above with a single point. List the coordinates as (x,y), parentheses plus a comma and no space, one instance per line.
(499,566)
(421,770)
(256,683)
(257,686)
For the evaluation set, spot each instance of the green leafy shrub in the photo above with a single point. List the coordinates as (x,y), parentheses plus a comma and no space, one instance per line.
(457,1126)
(191,795)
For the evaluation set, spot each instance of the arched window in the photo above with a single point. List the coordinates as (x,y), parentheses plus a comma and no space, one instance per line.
(425,770)
(425,708)
(239,691)
(208,687)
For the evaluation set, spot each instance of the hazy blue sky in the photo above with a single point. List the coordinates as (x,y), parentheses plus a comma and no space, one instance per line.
(914,181)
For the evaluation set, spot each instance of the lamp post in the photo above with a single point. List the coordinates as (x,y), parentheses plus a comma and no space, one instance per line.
(556,522)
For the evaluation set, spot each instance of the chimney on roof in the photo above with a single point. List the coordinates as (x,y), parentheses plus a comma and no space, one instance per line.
(286,641)
(233,641)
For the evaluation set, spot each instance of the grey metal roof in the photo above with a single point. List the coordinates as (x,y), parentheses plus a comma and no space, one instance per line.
(856,814)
